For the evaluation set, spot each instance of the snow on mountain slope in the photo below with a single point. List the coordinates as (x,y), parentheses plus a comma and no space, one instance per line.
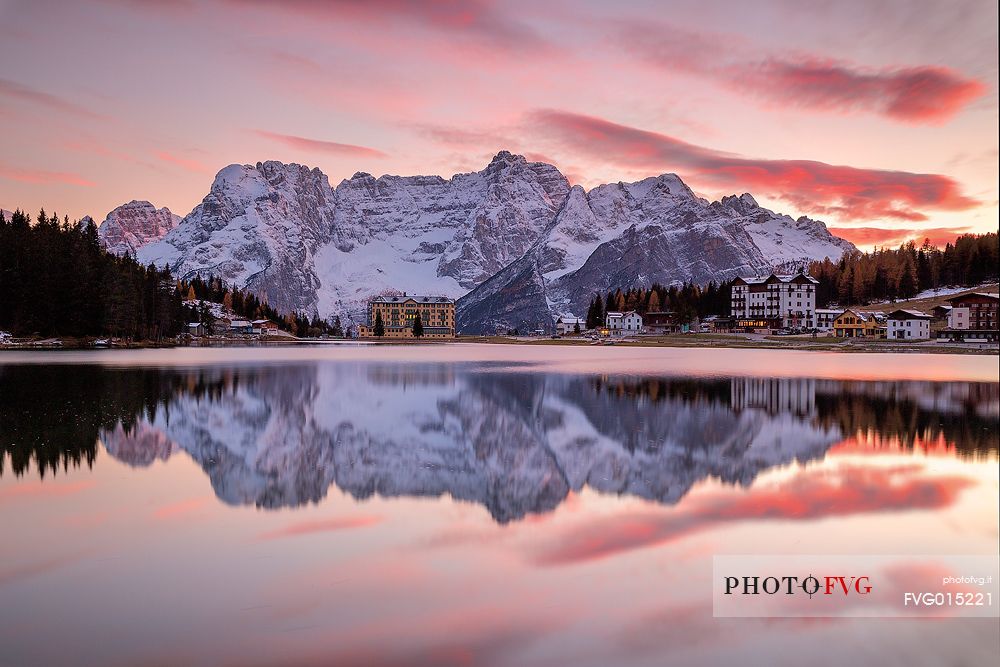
(630,234)
(782,239)
(132,226)
(527,245)
(259,227)
(281,231)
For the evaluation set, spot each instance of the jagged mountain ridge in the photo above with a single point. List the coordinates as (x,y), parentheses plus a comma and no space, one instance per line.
(636,234)
(134,225)
(514,238)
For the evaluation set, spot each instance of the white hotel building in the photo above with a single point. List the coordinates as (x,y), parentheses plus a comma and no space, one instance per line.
(774,302)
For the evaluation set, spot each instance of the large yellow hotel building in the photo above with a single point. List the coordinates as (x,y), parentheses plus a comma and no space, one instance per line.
(437,315)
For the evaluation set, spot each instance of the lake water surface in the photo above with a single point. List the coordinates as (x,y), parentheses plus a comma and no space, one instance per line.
(475,504)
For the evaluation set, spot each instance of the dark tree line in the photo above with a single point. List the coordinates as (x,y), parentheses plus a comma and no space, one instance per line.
(685,302)
(54,414)
(55,279)
(889,274)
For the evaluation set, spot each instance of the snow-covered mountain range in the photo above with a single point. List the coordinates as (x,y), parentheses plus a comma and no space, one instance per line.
(515,241)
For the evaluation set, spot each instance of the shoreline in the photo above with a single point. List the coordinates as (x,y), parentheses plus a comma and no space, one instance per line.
(731,341)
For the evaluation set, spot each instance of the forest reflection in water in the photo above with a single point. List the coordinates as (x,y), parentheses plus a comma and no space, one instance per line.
(517,443)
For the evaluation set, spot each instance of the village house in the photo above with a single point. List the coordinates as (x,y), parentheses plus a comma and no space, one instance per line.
(663,322)
(974,317)
(825,318)
(263,327)
(908,325)
(570,325)
(437,316)
(860,324)
(774,302)
(240,327)
(196,328)
(624,324)
(940,313)
(722,324)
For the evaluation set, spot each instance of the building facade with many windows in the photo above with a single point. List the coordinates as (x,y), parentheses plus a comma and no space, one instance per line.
(973,316)
(908,325)
(774,302)
(623,324)
(437,316)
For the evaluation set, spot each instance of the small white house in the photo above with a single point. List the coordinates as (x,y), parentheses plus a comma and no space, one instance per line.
(825,318)
(624,324)
(908,325)
(569,325)
(263,327)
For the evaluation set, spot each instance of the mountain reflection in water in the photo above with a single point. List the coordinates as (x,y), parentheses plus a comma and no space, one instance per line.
(516,443)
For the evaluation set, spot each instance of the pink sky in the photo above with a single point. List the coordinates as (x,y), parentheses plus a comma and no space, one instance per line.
(879,118)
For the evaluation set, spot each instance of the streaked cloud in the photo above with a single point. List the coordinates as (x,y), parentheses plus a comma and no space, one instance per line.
(911,94)
(474,20)
(321,526)
(849,193)
(866,236)
(321,145)
(13,90)
(183,163)
(810,495)
(42,176)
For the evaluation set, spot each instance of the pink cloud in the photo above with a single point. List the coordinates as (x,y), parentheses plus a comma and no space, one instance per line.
(36,568)
(321,526)
(42,177)
(810,495)
(472,20)
(910,94)
(44,489)
(914,94)
(181,508)
(184,163)
(321,146)
(939,236)
(17,91)
(850,193)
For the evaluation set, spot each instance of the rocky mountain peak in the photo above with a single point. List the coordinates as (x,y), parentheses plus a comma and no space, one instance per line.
(134,225)
(744,203)
(506,157)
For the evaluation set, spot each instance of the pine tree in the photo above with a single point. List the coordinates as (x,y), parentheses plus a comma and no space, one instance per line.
(418,327)
(653,305)
(379,327)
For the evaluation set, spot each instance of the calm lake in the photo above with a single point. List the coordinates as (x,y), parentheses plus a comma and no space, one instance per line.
(475,504)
